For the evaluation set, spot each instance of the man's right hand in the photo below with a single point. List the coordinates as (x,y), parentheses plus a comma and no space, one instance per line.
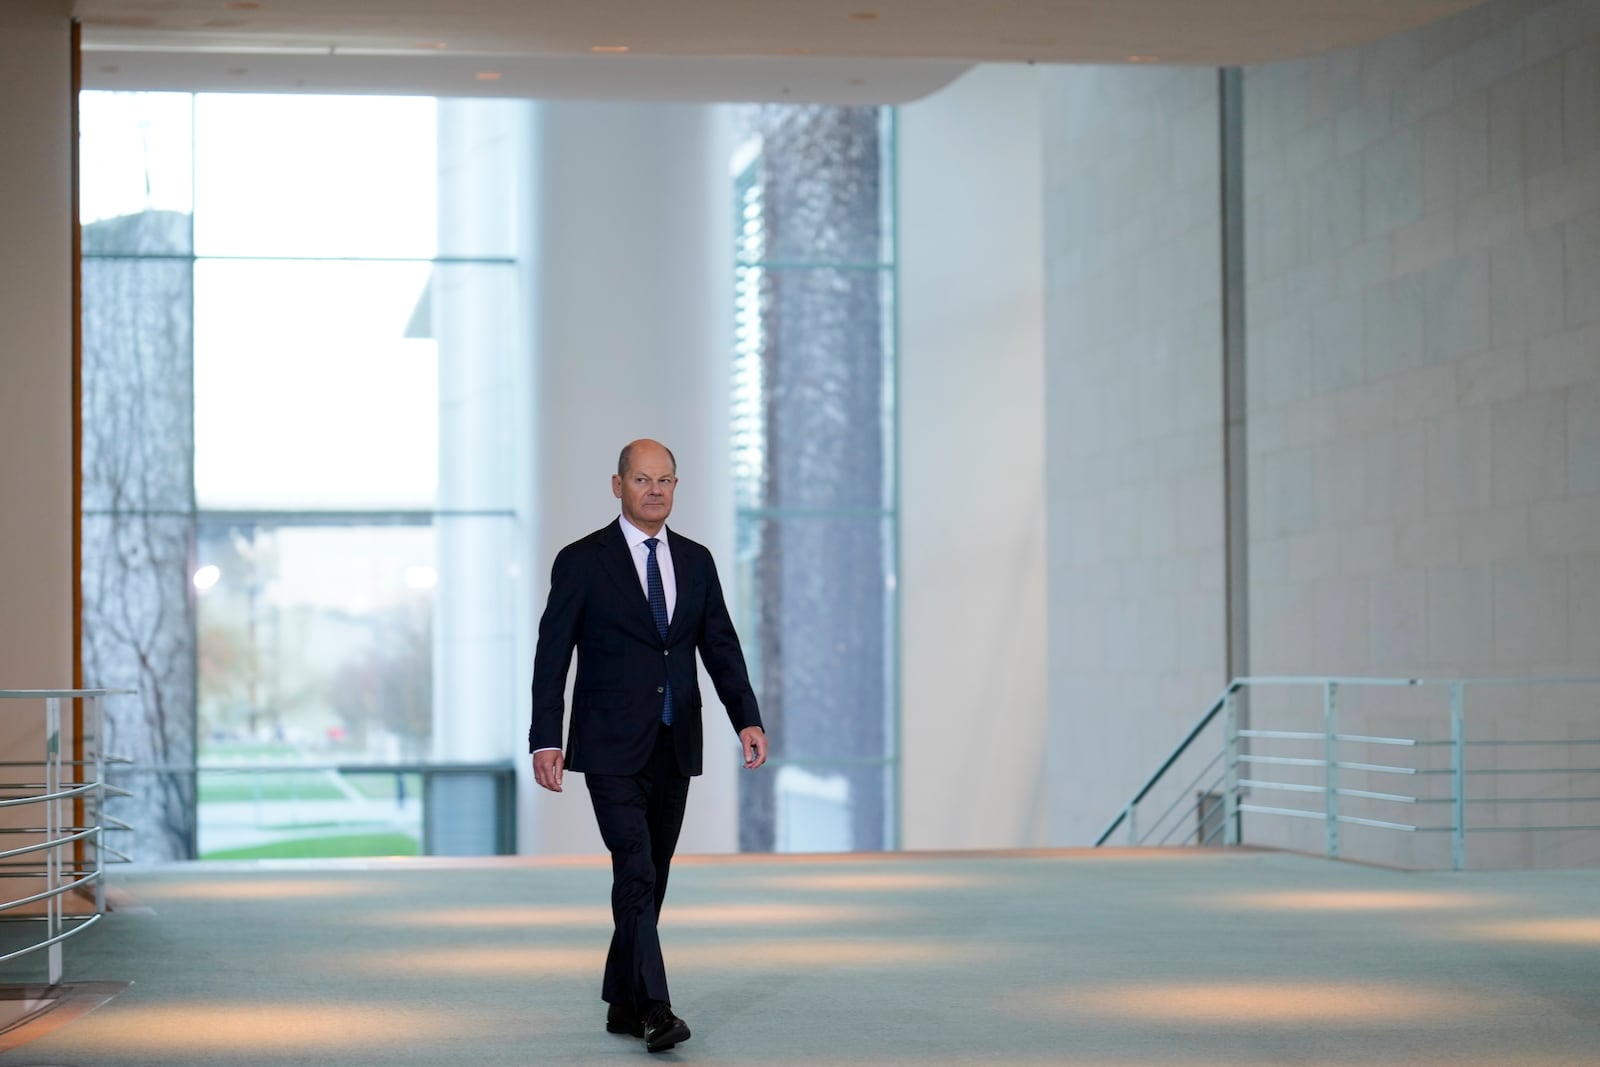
(547,769)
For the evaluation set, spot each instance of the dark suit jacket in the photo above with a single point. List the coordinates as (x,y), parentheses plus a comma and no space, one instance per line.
(598,608)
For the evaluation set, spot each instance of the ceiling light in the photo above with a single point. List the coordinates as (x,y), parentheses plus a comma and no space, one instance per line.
(1143,59)
(488,75)
(613,49)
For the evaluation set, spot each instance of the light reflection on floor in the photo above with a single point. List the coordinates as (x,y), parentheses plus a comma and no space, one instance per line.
(503,962)
(275,1028)
(253,889)
(1571,930)
(1357,900)
(678,915)
(1285,1003)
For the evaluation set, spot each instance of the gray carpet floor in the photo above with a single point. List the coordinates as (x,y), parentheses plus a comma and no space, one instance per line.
(1177,958)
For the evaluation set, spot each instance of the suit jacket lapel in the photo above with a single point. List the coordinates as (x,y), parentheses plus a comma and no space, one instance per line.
(618,561)
(689,579)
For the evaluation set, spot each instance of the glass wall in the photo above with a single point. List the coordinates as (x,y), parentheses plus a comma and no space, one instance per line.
(813,436)
(297,498)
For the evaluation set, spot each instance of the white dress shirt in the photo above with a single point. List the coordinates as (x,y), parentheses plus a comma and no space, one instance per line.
(641,560)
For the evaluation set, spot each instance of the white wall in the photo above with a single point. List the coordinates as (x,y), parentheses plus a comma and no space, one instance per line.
(35,353)
(631,314)
(972,486)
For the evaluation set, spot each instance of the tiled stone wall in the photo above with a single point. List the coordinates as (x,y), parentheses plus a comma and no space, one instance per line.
(1423,263)
(1423,315)
(1422,277)
(1133,387)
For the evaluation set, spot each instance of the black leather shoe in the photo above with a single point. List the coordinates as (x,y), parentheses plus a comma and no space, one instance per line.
(663,1030)
(621,1020)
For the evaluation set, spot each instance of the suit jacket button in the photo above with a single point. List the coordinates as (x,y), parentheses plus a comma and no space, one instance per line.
(666,652)
(661,689)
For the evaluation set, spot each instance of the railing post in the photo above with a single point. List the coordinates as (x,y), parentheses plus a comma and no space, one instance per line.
(1458,778)
(94,720)
(1230,768)
(1330,774)
(52,831)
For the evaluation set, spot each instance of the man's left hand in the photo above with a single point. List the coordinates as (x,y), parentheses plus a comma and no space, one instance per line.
(754,741)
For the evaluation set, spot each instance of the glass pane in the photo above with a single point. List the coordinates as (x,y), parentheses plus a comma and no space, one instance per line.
(823,375)
(479,700)
(136,158)
(315,386)
(138,535)
(316,642)
(822,175)
(830,808)
(274,813)
(820,652)
(315,176)
(137,635)
(138,381)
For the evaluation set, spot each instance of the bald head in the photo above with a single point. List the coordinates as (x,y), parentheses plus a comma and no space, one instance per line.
(625,460)
(646,477)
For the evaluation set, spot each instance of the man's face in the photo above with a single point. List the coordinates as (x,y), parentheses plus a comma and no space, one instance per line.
(646,489)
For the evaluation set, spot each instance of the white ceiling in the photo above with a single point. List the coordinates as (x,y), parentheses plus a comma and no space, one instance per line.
(836,51)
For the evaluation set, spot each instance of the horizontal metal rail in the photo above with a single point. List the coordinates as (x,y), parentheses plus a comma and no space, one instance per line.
(46,894)
(50,845)
(79,923)
(66,858)
(1187,815)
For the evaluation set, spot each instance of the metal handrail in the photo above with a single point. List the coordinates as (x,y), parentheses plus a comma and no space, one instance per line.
(1329,760)
(1183,746)
(66,780)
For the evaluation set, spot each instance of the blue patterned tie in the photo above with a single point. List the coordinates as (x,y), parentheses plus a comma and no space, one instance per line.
(658,609)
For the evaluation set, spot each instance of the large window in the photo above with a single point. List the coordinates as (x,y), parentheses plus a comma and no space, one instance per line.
(300,371)
(814,460)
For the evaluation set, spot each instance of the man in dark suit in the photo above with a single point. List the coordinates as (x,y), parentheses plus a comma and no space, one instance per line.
(636,601)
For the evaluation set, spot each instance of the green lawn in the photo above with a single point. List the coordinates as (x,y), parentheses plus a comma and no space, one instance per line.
(278,785)
(381,844)
(218,785)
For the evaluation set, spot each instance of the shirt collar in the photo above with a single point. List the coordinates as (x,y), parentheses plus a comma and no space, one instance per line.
(636,536)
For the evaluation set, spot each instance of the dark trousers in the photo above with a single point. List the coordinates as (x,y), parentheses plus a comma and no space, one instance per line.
(639,817)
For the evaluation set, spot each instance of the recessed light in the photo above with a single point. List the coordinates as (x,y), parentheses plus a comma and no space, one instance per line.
(488,75)
(613,49)
(1143,59)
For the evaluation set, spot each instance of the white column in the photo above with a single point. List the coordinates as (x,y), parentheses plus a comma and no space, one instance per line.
(479,323)
(631,301)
